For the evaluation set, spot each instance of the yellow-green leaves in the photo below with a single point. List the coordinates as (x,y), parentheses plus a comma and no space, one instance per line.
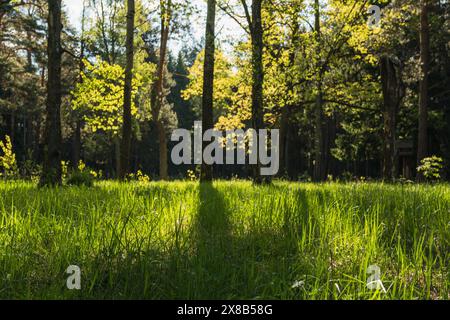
(8,163)
(99,96)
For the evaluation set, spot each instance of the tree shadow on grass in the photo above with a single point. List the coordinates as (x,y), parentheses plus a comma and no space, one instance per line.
(219,259)
(256,262)
(212,239)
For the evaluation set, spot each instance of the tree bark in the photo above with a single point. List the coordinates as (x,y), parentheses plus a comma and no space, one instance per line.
(422,143)
(163,157)
(51,173)
(258,78)
(158,88)
(320,140)
(390,80)
(320,132)
(76,144)
(208,83)
(284,130)
(125,149)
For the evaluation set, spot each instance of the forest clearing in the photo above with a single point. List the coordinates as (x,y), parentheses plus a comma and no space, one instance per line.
(225,149)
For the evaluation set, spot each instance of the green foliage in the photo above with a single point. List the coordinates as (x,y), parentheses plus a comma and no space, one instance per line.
(431,168)
(31,170)
(8,163)
(227,88)
(139,176)
(99,96)
(192,175)
(64,169)
(80,178)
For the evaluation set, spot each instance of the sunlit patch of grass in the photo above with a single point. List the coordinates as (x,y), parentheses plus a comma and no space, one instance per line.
(226,240)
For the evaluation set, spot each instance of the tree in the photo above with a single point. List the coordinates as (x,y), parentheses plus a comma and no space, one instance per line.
(226,87)
(257,75)
(392,96)
(51,174)
(254,27)
(422,142)
(127,133)
(104,43)
(208,82)
(321,148)
(99,96)
(157,100)
(76,144)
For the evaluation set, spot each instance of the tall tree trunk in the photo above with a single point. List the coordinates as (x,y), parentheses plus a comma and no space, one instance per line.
(158,88)
(321,144)
(284,129)
(320,132)
(12,126)
(391,101)
(117,147)
(208,83)
(257,77)
(76,145)
(163,157)
(422,143)
(51,173)
(125,149)
(31,103)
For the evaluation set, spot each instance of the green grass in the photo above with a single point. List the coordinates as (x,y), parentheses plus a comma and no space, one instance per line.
(229,240)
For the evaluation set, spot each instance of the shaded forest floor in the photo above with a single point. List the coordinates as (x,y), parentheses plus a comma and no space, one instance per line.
(229,240)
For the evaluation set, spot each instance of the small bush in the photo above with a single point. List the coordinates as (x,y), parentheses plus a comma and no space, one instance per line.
(431,168)
(80,178)
(8,163)
(31,170)
(192,175)
(139,176)
(64,169)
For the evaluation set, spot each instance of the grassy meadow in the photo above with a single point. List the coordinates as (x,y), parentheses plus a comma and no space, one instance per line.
(229,240)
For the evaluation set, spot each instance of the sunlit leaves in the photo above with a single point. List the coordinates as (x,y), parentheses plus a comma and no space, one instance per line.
(99,96)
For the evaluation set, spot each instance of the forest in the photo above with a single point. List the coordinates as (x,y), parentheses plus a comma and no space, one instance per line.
(351,100)
(354,93)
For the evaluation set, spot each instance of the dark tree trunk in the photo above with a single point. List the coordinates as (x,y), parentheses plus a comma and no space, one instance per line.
(117,147)
(76,146)
(422,143)
(284,130)
(158,88)
(163,161)
(11,123)
(321,140)
(320,131)
(257,77)
(208,83)
(390,80)
(331,123)
(51,173)
(31,103)
(125,149)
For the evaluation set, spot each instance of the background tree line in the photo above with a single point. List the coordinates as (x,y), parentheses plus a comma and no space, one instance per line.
(350,100)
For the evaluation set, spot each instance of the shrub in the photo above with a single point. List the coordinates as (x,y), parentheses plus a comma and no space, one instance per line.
(139,176)
(431,168)
(193,175)
(8,163)
(31,170)
(80,178)
(64,169)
